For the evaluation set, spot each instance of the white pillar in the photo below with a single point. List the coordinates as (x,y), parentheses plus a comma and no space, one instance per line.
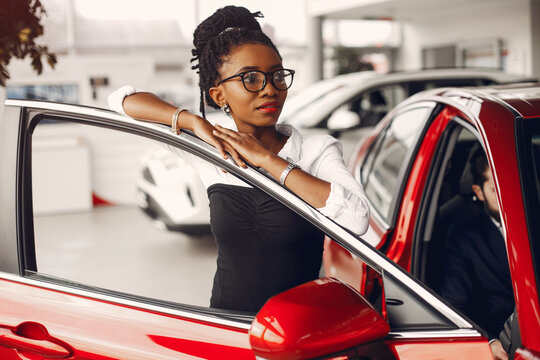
(535,38)
(70,27)
(315,48)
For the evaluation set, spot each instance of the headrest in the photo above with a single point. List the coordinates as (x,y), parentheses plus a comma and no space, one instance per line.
(466,180)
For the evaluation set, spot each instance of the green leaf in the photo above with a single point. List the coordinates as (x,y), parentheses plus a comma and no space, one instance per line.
(20,25)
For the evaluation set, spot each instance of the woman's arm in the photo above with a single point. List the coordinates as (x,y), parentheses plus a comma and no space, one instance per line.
(148,107)
(333,190)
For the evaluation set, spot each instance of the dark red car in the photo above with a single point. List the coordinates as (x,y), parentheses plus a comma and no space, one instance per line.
(414,171)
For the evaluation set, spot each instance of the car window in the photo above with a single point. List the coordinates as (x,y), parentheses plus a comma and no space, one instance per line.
(124,213)
(121,213)
(101,202)
(372,105)
(385,164)
(413,87)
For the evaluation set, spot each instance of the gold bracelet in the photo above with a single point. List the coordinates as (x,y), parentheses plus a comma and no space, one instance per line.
(174,121)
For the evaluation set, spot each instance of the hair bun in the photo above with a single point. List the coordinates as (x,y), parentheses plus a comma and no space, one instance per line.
(222,20)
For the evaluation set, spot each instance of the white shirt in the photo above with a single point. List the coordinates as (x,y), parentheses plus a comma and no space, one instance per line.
(318,155)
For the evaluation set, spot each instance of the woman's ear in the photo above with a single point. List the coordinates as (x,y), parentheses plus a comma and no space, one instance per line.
(217,95)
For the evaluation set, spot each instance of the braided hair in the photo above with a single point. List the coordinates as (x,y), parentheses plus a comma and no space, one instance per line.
(216,37)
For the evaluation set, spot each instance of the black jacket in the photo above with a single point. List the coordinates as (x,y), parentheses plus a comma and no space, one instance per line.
(476,276)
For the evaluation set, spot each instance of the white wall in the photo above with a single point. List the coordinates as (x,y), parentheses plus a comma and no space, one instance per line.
(136,70)
(509,21)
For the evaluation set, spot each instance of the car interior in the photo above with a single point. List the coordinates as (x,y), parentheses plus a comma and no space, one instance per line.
(448,199)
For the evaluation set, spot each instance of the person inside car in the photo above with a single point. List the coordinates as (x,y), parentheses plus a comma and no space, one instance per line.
(476,276)
(263,247)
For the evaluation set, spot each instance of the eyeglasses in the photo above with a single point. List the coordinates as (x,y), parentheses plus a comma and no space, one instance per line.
(255,80)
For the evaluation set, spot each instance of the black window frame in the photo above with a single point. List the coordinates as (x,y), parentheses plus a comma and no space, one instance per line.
(524,130)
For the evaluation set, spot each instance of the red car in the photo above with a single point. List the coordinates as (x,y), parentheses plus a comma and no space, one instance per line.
(413,169)
(73,286)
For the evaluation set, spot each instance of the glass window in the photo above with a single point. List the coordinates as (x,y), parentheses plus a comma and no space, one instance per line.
(374,104)
(123,213)
(386,161)
(102,202)
(68,93)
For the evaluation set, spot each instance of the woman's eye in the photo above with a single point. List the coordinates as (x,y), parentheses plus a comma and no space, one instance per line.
(251,78)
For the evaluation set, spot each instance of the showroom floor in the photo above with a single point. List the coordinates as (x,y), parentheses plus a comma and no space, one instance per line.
(119,248)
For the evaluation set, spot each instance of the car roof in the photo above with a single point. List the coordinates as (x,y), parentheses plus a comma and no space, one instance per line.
(522,99)
(414,75)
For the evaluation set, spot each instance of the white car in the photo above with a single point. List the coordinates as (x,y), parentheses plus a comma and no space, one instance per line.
(349,106)
(346,106)
(171,192)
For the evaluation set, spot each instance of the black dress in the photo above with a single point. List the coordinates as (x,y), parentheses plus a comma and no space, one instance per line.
(264,248)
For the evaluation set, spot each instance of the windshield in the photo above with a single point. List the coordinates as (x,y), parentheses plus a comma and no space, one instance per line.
(301,108)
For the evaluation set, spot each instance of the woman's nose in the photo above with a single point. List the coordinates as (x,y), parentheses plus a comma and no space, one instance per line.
(269,89)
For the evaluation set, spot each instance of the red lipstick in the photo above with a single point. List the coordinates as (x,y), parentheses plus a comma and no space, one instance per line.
(269,107)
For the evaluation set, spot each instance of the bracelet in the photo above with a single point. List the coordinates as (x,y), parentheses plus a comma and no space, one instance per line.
(174,121)
(286,172)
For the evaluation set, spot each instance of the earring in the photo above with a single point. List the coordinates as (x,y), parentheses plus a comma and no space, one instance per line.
(226,109)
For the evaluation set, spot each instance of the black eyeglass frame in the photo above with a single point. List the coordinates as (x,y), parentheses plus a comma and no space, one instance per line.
(243,73)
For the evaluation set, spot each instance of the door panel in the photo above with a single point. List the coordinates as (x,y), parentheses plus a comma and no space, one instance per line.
(96,329)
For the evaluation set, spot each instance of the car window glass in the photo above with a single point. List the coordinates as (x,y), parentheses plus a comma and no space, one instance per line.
(304,109)
(121,212)
(432,84)
(382,177)
(101,202)
(374,104)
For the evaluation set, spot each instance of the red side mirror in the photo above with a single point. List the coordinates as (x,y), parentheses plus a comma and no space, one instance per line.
(315,319)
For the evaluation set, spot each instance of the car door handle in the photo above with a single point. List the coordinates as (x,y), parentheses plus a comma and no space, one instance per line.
(34,337)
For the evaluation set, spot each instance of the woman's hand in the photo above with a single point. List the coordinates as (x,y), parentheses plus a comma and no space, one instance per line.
(246,145)
(204,130)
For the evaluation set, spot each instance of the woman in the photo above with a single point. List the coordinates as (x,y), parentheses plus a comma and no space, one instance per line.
(263,247)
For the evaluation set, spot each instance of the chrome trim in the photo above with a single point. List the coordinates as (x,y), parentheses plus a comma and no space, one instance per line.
(371,256)
(119,301)
(434,334)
